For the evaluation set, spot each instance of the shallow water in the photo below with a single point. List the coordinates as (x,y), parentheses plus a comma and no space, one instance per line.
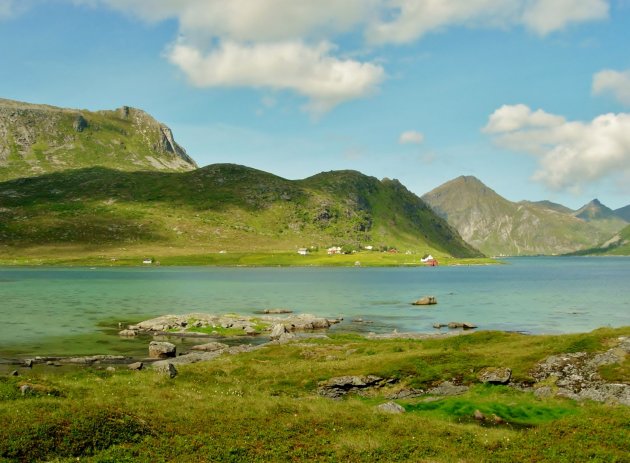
(78,309)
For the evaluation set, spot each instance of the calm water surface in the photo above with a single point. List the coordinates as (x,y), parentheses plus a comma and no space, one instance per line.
(72,307)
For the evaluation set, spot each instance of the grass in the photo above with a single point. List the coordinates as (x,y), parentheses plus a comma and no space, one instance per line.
(263,406)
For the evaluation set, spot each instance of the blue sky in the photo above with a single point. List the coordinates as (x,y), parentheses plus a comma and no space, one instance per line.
(530,96)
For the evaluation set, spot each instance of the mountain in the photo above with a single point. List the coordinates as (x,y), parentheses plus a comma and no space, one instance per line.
(218,207)
(602,217)
(497,226)
(551,206)
(39,139)
(623,212)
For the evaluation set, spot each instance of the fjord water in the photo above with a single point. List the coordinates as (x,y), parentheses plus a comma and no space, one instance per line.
(77,310)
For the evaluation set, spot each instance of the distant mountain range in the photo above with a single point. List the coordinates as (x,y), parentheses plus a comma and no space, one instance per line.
(118,178)
(497,226)
(102,179)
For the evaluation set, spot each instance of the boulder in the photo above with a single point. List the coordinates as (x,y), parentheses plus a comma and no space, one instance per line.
(161,350)
(28,363)
(277,311)
(166,369)
(135,366)
(477,415)
(464,325)
(110,369)
(495,375)
(210,347)
(426,300)
(277,331)
(390,407)
(15,373)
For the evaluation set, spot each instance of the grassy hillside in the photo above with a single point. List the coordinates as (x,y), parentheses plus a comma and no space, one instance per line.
(497,226)
(38,139)
(617,245)
(110,214)
(264,406)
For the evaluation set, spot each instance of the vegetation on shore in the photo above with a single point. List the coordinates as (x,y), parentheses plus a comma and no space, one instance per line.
(263,406)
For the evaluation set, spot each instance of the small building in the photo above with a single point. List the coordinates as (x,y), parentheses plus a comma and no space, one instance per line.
(334,250)
(147,261)
(426,259)
(302,251)
(369,248)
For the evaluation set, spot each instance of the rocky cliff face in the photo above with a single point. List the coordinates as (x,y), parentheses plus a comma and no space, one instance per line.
(37,139)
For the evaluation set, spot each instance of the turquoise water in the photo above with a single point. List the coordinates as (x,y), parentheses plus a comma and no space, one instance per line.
(536,295)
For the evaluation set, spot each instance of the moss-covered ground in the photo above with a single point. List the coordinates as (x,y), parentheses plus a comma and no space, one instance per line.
(263,406)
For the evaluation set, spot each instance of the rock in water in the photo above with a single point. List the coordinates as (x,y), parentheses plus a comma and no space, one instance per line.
(161,350)
(390,407)
(210,347)
(426,300)
(277,331)
(495,375)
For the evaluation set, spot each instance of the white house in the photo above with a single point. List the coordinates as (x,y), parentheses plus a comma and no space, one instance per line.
(427,259)
(302,251)
(334,250)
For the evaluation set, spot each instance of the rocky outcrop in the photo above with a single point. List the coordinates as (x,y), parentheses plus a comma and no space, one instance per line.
(447,388)
(390,407)
(576,375)
(165,369)
(199,324)
(335,388)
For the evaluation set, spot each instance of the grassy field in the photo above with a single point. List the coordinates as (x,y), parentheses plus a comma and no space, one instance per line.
(263,406)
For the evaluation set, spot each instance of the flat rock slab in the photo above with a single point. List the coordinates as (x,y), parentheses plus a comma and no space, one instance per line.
(390,407)
(337,387)
(447,388)
(210,347)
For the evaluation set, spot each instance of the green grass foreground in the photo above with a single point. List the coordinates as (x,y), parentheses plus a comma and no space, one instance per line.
(263,406)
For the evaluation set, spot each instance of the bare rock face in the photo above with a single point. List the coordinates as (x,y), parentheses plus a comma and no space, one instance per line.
(80,123)
(576,376)
(495,375)
(162,350)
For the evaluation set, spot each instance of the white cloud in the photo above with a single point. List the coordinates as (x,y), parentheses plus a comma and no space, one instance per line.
(274,33)
(545,16)
(411,137)
(11,8)
(408,20)
(615,82)
(571,153)
(310,71)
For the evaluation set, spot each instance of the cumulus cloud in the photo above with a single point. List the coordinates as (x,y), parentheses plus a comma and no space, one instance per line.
(310,71)
(571,153)
(216,32)
(408,20)
(411,137)
(615,82)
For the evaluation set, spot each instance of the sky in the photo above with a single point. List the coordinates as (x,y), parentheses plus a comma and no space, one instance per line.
(530,96)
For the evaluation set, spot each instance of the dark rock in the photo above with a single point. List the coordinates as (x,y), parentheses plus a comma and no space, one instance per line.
(426,300)
(390,407)
(495,375)
(464,325)
(337,387)
(15,373)
(405,394)
(277,311)
(161,350)
(80,123)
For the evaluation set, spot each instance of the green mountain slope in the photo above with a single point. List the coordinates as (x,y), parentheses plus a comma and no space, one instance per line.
(497,226)
(218,207)
(617,245)
(550,205)
(38,139)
